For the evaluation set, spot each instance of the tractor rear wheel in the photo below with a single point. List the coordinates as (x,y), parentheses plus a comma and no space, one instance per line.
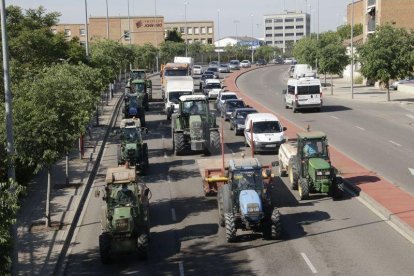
(179,143)
(214,142)
(105,247)
(335,192)
(292,177)
(276,224)
(303,188)
(142,246)
(230,227)
(142,119)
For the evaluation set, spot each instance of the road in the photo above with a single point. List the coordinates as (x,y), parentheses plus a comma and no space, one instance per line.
(319,235)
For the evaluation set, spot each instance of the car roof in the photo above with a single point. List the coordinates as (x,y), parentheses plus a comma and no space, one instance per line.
(212,81)
(192,98)
(229,93)
(259,117)
(245,109)
(234,100)
(245,60)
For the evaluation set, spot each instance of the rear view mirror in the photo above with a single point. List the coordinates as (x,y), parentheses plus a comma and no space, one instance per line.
(284,91)
(144,129)
(284,128)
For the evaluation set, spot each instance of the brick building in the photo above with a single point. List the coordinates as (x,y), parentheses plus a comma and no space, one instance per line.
(201,31)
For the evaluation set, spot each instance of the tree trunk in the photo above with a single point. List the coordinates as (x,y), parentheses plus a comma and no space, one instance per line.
(325,79)
(331,85)
(388,92)
(49,180)
(67,169)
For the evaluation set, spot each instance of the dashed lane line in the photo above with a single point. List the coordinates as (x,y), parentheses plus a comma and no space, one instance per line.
(361,128)
(308,262)
(395,143)
(335,117)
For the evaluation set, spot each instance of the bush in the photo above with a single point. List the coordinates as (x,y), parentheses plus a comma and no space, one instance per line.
(358,80)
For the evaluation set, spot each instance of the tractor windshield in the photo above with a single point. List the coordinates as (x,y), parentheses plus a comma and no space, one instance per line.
(123,196)
(133,101)
(139,87)
(316,148)
(195,107)
(137,75)
(248,180)
(131,135)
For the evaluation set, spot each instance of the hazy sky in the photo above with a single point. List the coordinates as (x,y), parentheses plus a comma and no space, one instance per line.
(332,12)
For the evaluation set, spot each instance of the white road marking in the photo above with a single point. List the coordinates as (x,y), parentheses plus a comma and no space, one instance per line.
(335,117)
(181,268)
(394,143)
(165,155)
(308,262)
(174,217)
(169,178)
(410,116)
(411,171)
(361,128)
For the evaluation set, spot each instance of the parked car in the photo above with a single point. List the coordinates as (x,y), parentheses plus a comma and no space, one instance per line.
(261,62)
(214,63)
(276,61)
(222,97)
(234,64)
(224,68)
(215,70)
(229,106)
(238,118)
(245,64)
(197,70)
(205,77)
(394,85)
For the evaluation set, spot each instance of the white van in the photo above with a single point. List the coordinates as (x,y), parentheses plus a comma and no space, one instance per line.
(303,93)
(303,70)
(265,130)
(174,89)
(212,88)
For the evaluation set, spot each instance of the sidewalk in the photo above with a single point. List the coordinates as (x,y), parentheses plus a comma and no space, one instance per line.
(38,248)
(394,204)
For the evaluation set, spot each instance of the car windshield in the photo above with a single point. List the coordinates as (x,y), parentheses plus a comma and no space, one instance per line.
(245,61)
(234,62)
(195,107)
(212,69)
(243,114)
(176,72)
(228,97)
(267,127)
(131,134)
(308,90)
(139,87)
(248,180)
(223,65)
(138,75)
(207,76)
(234,104)
(213,86)
(197,67)
(174,96)
(314,149)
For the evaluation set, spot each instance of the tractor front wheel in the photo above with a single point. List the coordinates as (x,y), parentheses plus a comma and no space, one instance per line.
(303,188)
(142,246)
(276,224)
(230,227)
(214,142)
(292,177)
(335,192)
(105,247)
(179,143)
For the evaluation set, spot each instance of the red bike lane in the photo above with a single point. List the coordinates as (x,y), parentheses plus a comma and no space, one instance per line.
(395,204)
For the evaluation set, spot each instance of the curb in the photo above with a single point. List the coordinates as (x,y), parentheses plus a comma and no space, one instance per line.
(392,219)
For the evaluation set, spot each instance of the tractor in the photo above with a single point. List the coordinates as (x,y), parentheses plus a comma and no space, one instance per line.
(245,203)
(194,126)
(133,151)
(311,169)
(139,86)
(141,74)
(133,107)
(125,216)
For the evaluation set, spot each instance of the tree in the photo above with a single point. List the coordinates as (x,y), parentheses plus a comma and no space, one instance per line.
(289,48)
(266,52)
(388,54)
(194,49)
(306,50)
(170,49)
(345,31)
(208,49)
(174,36)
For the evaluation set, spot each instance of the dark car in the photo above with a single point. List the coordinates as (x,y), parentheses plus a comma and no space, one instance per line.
(229,106)
(215,70)
(261,62)
(204,77)
(238,118)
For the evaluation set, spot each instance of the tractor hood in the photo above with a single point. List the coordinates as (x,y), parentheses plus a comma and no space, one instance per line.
(249,202)
(133,111)
(319,164)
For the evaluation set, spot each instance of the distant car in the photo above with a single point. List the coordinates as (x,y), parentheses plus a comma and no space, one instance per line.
(211,88)
(214,63)
(224,68)
(205,77)
(229,106)
(261,62)
(276,61)
(245,64)
(215,70)
(238,118)
(234,64)
(197,70)
(222,97)
(394,85)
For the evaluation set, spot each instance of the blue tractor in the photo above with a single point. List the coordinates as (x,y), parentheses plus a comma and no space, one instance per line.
(244,202)
(133,107)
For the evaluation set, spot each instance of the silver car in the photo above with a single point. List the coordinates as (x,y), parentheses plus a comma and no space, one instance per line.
(224,68)
(234,64)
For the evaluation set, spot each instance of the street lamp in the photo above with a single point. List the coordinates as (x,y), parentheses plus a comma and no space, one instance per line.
(251,16)
(107,20)
(86,30)
(218,35)
(129,25)
(352,51)
(155,33)
(185,18)
(235,23)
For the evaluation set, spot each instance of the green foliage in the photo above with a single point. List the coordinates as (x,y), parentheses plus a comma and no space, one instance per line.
(358,80)
(195,48)
(174,36)
(9,205)
(388,54)
(144,56)
(171,49)
(345,31)
(267,52)
(305,50)
(332,57)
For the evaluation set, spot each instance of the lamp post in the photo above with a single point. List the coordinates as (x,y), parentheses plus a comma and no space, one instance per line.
(235,23)
(7,95)
(129,25)
(155,33)
(251,16)
(218,35)
(186,31)
(352,51)
(86,30)
(107,20)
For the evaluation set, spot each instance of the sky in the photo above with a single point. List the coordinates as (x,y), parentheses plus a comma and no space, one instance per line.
(231,14)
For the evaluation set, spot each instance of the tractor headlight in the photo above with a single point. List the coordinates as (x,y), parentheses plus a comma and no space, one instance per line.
(327,172)
(253,208)
(240,126)
(319,173)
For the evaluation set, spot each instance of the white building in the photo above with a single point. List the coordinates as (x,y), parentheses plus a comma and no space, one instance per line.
(280,29)
(238,40)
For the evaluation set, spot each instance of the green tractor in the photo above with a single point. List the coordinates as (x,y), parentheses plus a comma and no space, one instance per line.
(139,86)
(125,216)
(133,107)
(133,151)
(141,74)
(311,167)
(245,203)
(194,126)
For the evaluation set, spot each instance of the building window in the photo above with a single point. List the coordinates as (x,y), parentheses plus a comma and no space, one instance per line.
(189,30)
(268,35)
(203,41)
(82,32)
(269,42)
(196,30)
(203,30)
(300,19)
(209,40)
(289,19)
(268,28)
(126,35)
(210,30)
(290,34)
(278,20)
(68,32)
(299,34)
(299,26)
(196,40)
(278,28)
(278,34)
(268,21)
(182,30)
(289,27)
(278,41)
(190,41)
(82,43)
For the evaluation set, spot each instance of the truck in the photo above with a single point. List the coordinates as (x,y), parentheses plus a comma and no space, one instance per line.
(307,163)
(133,151)
(171,70)
(174,89)
(186,60)
(125,215)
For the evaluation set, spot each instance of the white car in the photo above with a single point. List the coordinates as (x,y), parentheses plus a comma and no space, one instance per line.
(212,88)
(223,96)
(197,70)
(303,93)
(245,64)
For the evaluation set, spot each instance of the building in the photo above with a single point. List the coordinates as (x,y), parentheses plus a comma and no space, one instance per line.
(282,29)
(193,31)
(238,41)
(135,30)
(373,13)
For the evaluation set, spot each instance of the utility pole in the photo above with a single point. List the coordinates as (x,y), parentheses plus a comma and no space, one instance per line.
(251,16)
(7,95)
(86,29)
(129,26)
(218,35)
(186,30)
(352,51)
(107,20)
(236,22)
(156,37)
